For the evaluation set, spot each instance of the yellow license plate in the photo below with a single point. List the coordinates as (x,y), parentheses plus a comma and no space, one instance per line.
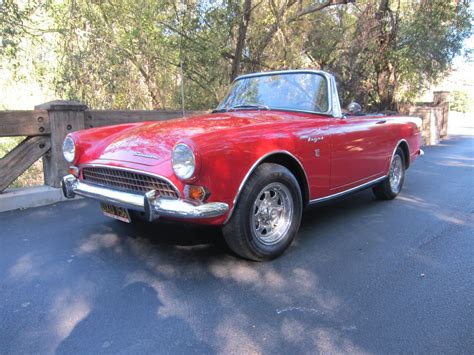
(116,212)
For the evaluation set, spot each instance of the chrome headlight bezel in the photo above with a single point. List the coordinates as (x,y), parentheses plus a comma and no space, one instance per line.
(183,161)
(69,149)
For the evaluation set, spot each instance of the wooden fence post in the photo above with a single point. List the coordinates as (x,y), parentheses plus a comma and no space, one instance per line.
(64,117)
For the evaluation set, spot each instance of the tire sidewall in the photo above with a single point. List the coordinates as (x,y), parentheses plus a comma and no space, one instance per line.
(262,179)
(398,152)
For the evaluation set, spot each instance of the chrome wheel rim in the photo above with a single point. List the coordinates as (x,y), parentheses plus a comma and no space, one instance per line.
(272,213)
(396,174)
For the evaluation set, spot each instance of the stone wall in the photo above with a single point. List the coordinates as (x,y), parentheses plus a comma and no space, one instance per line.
(434,115)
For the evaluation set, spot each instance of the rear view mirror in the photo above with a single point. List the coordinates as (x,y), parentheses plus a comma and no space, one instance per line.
(354,108)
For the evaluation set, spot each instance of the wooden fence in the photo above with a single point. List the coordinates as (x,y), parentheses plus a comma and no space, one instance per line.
(45,128)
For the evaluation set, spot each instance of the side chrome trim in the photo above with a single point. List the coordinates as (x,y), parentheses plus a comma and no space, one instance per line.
(94,165)
(347,192)
(254,166)
(336,103)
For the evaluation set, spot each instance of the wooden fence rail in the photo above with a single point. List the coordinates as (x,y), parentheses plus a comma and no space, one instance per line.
(45,128)
(24,123)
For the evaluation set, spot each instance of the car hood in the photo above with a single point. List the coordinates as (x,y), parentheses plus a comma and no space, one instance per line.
(151,143)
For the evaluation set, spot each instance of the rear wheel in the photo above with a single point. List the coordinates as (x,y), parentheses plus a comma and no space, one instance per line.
(267,216)
(392,185)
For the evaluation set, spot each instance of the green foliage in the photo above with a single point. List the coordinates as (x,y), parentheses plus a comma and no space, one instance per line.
(136,53)
(460,101)
(429,41)
(128,54)
(383,55)
(18,23)
(10,30)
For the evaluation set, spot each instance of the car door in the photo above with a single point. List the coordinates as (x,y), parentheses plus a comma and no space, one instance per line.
(314,150)
(358,150)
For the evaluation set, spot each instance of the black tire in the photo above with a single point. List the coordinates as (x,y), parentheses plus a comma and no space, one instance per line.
(384,190)
(241,232)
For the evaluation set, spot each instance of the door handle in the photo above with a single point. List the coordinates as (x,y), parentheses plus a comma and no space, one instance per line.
(381,122)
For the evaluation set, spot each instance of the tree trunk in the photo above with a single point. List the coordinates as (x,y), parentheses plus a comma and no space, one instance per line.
(244,22)
(386,74)
(386,87)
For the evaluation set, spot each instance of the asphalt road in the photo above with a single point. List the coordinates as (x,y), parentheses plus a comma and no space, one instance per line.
(362,276)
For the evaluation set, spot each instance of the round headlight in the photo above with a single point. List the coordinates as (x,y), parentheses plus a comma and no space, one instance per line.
(69,149)
(183,160)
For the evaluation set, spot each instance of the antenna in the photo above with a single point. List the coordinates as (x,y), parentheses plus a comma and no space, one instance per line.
(182,84)
(181,14)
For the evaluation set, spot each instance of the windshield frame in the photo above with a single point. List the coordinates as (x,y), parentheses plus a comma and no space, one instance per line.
(331,111)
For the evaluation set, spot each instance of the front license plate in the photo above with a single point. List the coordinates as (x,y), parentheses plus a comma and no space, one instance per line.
(116,212)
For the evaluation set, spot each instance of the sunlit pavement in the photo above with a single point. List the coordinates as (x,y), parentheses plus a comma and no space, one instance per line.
(362,276)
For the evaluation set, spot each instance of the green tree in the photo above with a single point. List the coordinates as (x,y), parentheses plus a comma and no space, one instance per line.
(138,53)
(460,101)
(390,51)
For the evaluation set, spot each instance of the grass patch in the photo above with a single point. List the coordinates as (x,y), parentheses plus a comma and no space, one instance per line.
(33,176)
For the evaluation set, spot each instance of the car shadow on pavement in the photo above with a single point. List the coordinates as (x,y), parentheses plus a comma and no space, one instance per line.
(167,234)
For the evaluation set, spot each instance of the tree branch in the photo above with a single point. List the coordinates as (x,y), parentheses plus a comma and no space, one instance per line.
(316,8)
(301,13)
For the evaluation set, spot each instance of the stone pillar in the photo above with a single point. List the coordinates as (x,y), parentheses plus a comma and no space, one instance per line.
(64,117)
(441,99)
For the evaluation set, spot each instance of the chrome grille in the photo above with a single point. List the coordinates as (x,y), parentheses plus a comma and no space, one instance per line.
(128,180)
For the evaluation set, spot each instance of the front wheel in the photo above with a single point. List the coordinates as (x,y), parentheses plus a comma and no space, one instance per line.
(267,216)
(389,188)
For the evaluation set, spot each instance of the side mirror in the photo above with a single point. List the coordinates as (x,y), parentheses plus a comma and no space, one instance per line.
(354,108)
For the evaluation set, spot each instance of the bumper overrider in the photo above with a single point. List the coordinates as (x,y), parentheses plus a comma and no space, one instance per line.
(154,206)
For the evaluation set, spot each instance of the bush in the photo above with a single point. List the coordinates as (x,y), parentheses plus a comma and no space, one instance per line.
(460,101)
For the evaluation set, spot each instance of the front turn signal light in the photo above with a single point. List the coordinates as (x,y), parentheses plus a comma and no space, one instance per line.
(73,170)
(197,193)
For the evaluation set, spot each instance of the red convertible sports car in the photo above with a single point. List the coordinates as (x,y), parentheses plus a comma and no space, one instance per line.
(277,143)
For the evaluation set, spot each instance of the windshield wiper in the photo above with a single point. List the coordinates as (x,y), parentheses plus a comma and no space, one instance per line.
(241,107)
(219,110)
(250,107)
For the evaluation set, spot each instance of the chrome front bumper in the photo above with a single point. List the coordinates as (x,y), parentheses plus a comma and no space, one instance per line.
(153,206)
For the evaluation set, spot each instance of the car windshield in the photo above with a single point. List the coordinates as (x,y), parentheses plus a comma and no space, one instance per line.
(304,91)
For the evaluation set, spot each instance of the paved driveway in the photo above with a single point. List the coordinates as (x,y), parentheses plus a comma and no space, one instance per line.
(362,276)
